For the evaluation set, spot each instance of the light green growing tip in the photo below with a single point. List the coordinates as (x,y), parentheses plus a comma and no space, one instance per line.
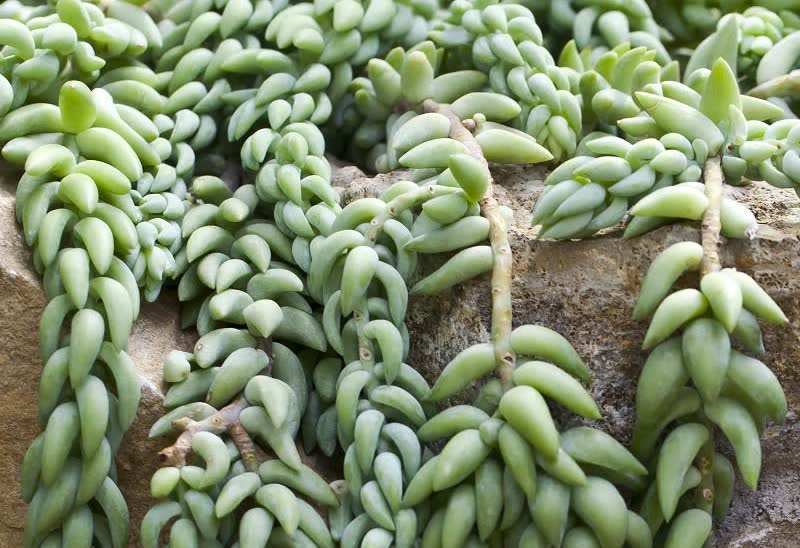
(721,92)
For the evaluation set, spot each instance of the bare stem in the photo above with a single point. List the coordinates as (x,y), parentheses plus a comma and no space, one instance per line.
(501,249)
(245,445)
(265,344)
(710,229)
(786,85)
(712,177)
(224,420)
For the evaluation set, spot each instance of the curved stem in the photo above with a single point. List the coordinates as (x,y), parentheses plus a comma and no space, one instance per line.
(224,420)
(501,249)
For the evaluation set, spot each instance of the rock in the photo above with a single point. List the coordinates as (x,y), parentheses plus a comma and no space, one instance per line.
(585,290)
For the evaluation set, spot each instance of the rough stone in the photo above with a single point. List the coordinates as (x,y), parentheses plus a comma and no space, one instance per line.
(585,290)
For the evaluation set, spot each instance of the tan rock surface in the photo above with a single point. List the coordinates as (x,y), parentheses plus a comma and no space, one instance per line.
(585,290)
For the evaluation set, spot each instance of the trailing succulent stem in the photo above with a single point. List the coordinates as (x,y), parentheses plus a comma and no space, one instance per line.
(710,240)
(695,378)
(461,131)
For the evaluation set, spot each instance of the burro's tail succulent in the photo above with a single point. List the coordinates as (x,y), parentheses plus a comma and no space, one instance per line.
(694,383)
(187,142)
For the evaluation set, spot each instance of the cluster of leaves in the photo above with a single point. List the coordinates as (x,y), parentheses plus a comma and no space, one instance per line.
(126,118)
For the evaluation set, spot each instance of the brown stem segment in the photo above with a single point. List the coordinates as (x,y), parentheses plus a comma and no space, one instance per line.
(224,420)
(710,228)
(710,238)
(501,249)
(245,445)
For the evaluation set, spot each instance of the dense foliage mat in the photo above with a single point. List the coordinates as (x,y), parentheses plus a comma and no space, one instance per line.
(185,141)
